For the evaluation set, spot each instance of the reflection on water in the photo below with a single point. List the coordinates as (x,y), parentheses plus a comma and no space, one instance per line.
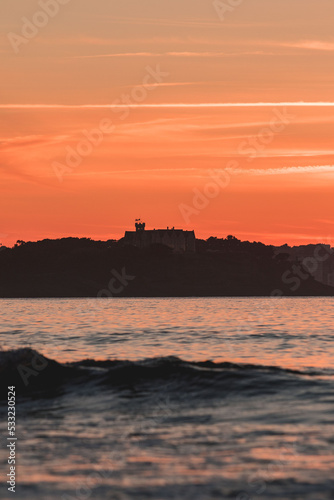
(175,430)
(289,332)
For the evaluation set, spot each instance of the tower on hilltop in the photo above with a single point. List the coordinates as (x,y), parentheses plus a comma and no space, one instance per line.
(176,239)
(140,226)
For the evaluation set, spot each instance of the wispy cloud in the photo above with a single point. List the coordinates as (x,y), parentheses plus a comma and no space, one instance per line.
(161,22)
(30,140)
(206,54)
(202,173)
(311,45)
(255,48)
(172,105)
(174,84)
(285,170)
(151,171)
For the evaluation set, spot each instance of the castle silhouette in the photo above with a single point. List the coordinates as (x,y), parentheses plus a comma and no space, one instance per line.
(178,240)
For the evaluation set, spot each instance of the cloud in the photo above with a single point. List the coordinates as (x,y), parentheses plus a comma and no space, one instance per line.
(172,54)
(8,144)
(315,45)
(174,84)
(284,170)
(161,22)
(171,105)
(311,45)
(202,173)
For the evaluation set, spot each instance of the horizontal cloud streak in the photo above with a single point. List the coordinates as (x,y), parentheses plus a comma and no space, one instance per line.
(170,105)
(311,169)
(203,174)
(311,45)
(172,54)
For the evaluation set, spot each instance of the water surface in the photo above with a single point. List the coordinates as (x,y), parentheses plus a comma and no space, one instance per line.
(155,420)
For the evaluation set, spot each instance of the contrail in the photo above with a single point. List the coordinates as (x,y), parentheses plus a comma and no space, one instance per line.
(299,104)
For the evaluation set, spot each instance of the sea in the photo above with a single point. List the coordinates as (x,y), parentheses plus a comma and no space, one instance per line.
(169,398)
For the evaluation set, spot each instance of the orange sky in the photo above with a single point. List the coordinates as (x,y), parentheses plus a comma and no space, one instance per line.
(175,95)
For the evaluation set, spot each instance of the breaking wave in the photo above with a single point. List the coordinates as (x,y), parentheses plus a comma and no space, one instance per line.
(32,372)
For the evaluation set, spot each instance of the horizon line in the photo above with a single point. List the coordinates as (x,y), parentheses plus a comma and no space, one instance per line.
(325,241)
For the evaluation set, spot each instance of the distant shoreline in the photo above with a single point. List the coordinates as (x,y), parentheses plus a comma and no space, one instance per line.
(227,267)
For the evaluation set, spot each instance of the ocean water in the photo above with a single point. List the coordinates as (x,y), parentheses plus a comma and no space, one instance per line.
(214,398)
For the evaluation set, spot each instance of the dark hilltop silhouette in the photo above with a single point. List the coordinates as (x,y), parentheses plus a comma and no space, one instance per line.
(163,263)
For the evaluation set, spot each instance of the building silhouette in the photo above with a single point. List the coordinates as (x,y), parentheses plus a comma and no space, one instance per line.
(177,239)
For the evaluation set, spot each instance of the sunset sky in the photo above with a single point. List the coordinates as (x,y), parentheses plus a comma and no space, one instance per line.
(180,91)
